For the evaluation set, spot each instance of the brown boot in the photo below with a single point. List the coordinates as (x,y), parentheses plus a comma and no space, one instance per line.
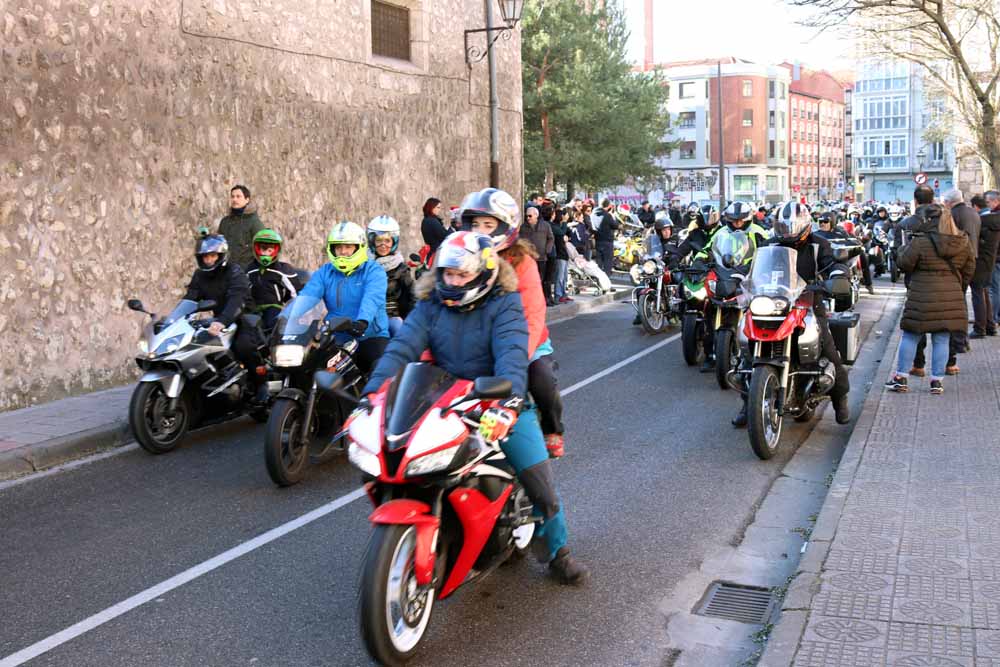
(917,372)
(951,370)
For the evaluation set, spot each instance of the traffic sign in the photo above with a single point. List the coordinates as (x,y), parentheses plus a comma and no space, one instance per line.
(795,188)
(920,178)
(840,186)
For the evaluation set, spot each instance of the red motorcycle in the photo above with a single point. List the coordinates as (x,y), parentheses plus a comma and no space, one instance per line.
(448,507)
(789,377)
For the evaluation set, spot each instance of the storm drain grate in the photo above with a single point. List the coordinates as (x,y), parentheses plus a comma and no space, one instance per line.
(746,604)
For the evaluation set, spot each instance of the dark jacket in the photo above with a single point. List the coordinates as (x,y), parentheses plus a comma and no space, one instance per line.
(967,220)
(647,218)
(579,235)
(559,233)
(489,340)
(606,230)
(810,263)
(399,290)
(433,230)
(239,230)
(989,242)
(539,235)
(272,287)
(675,217)
(935,297)
(227,286)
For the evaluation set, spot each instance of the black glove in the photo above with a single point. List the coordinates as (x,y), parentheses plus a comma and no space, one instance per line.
(515,403)
(358,327)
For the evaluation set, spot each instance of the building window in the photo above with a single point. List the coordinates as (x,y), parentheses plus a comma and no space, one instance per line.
(390,31)
(746,184)
(748,118)
(770,118)
(666,88)
(747,88)
(687,90)
(770,149)
(770,90)
(685,119)
(781,120)
(772,183)
(781,150)
(747,148)
(795,112)
(687,150)
(937,151)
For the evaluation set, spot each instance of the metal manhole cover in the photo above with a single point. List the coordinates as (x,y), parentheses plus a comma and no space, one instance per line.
(745,604)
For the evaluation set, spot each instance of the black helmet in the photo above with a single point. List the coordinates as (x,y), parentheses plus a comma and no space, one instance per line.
(662,221)
(213,243)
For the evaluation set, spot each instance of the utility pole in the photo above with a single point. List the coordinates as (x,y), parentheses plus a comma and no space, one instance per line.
(722,159)
(494,102)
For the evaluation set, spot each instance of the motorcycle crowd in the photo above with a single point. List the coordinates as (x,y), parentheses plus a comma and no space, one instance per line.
(442,390)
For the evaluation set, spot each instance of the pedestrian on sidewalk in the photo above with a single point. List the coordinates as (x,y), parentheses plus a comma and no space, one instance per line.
(579,234)
(989,242)
(991,200)
(240,226)
(546,218)
(432,227)
(939,263)
(560,232)
(605,236)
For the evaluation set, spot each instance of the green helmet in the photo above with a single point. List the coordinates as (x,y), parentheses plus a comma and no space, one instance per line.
(347,233)
(264,250)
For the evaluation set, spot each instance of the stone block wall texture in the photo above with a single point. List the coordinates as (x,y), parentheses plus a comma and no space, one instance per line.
(124,123)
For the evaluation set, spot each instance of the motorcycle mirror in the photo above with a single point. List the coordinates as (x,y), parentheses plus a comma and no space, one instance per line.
(207,304)
(414,257)
(327,382)
(135,304)
(491,387)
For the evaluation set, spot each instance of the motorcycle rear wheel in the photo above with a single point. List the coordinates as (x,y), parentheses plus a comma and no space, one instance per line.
(763,420)
(286,447)
(691,344)
(653,321)
(393,609)
(156,432)
(727,356)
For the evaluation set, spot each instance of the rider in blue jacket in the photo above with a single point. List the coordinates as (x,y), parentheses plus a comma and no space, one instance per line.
(353,286)
(469,315)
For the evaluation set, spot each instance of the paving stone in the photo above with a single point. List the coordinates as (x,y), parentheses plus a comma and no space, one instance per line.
(931,548)
(846,631)
(935,567)
(987,644)
(900,659)
(937,612)
(985,591)
(986,615)
(936,639)
(864,542)
(857,583)
(829,654)
(933,588)
(982,568)
(866,563)
(852,605)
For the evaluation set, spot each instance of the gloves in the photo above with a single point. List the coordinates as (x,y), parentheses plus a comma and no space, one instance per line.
(358,328)
(496,422)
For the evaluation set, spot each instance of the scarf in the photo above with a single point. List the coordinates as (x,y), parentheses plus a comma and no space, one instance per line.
(390,262)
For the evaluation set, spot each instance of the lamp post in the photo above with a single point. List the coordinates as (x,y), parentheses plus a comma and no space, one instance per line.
(510,14)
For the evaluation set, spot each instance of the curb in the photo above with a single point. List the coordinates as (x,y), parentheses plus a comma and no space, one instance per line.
(804,584)
(42,455)
(569,310)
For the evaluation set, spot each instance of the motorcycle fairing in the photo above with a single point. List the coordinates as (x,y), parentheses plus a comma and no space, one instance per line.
(172,380)
(794,320)
(404,511)
(478,516)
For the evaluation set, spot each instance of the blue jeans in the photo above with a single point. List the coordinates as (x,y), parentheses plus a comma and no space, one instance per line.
(562,266)
(995,293)
(939,352)
(525,451)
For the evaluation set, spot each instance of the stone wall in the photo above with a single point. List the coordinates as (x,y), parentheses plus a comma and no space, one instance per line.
(124,123)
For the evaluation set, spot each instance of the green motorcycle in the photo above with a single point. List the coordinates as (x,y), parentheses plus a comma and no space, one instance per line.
(693,320)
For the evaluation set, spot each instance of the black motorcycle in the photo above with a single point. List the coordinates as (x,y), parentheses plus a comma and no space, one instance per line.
(657,298)
(304,421)
(732,253)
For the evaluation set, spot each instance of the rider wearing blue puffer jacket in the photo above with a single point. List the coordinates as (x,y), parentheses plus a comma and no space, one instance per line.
(353,286)
(470,316)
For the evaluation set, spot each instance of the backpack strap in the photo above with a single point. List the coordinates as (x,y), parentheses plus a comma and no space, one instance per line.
(930,237)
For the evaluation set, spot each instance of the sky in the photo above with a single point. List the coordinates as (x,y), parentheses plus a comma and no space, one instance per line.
(763,31)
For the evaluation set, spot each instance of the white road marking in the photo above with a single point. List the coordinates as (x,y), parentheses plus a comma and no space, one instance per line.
(150,594)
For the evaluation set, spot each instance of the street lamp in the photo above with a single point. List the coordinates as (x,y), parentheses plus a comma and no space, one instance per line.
(510,12)
(921,154)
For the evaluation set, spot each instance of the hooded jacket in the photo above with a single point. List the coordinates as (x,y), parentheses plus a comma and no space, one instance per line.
(273,286)
(529,286)
(239,230)
(935,297)
(359,296)
(491,339)
(227,286)
(989,248)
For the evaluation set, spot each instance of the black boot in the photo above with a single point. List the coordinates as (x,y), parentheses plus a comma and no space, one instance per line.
(840,410)
(566,570)
(740,420)
(708,366)
(637,321)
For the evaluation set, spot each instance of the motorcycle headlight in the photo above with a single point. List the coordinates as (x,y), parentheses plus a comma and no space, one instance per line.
(288,355)
(649,266)
(431,462)
(363,459)
(169,345)
(711,285)
(143,346)
(765,305)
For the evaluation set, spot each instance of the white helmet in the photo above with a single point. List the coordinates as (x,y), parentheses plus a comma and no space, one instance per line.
(383,225)
(792,221)
(895,212)
(470,252)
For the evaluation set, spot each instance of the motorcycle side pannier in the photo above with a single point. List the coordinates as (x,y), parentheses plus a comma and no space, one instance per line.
(846,330)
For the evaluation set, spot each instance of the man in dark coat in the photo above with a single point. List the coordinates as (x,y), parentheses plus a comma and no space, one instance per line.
(646,214)
(605,237)
(989,241)
(538,233)
(240,226)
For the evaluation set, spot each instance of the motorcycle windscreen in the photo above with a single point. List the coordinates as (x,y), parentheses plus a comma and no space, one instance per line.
(414,392)
(180,311)
(300,318)
(773,274)
(732,248)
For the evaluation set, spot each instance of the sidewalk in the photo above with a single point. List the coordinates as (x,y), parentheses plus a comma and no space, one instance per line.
(42,436)
(903,565)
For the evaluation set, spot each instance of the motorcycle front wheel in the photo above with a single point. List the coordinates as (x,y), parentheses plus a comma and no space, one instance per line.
(394,610)
(286,447)
(763,419)
(653,320)
(155,427)
(691,339)
(727,356)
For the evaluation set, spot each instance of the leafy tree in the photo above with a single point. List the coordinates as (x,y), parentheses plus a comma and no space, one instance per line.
(955,42)
(589,120)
